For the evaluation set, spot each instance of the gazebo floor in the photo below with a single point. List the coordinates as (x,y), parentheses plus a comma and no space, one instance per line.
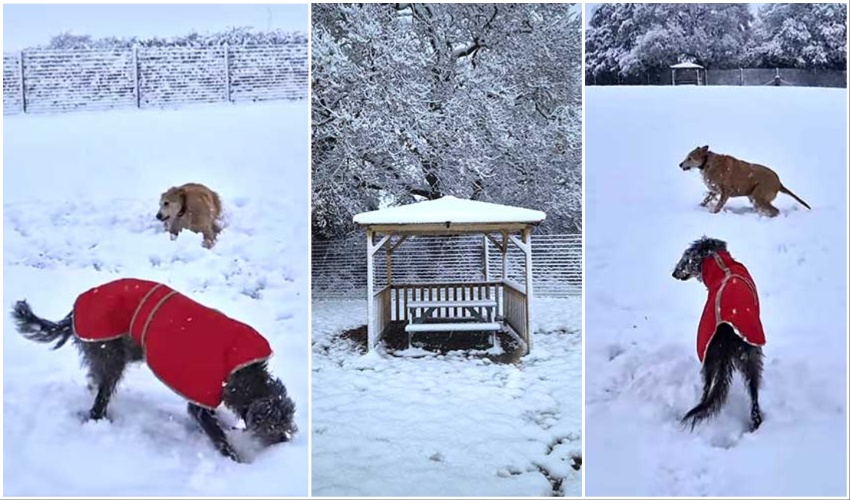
(395,338)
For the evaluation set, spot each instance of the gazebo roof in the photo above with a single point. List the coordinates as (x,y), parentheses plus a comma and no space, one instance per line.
(686,65)
(450,211)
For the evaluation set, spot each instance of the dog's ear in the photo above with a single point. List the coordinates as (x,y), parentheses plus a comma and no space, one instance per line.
(182,193)
(704,148)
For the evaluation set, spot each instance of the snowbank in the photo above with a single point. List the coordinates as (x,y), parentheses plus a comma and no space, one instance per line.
(642,370)
(450,209)
(80,194)
(432,425)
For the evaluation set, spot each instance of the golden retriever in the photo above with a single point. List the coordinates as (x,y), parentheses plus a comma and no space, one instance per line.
(191,206)
(728,176)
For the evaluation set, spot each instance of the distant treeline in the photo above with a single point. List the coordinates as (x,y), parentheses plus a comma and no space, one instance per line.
(627,40)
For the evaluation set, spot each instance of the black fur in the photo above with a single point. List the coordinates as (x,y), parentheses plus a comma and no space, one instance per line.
(726,352)
(251,392)
(690,265)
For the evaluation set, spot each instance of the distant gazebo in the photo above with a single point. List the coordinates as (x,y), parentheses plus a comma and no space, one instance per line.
(487,305)
(688,73)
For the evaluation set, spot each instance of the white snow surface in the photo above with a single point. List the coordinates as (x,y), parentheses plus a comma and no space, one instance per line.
(424,424)
(686,65)
(642,211)
(80,194)
(450,209)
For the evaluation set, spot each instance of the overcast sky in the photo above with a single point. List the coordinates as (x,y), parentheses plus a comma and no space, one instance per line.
(29,25)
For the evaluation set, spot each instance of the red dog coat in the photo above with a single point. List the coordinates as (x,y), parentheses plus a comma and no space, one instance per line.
(732,299)
(191,348)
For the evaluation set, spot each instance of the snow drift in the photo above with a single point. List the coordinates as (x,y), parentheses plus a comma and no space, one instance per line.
(424,424)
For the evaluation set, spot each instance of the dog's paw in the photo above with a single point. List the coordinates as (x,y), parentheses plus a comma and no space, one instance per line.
(755,421)
(88,416)
(229,452)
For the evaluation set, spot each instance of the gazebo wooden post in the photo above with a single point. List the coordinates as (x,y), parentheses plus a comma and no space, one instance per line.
(486,258)
(504,250)
(390,264)
(372,335)
(526,239)
(371,249)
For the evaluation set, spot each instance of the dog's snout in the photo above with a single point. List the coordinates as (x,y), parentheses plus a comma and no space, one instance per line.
(159,216)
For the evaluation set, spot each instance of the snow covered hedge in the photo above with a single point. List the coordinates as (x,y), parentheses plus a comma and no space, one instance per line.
(68,79)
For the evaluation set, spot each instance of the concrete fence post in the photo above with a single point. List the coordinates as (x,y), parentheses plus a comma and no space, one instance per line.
(136,86)
(23,88)
(227,72)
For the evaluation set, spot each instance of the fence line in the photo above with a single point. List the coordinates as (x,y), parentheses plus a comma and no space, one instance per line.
(734,77)
(339,266)
(65,80)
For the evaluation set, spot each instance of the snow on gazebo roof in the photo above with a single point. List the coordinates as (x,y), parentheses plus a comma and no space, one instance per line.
(686,65)
(450,210)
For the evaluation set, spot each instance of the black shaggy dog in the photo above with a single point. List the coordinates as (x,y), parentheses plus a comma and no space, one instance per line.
(258,398)
(730,334)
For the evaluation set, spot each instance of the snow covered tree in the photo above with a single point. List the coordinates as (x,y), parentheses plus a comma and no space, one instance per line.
(630,39)
(801,36)
(417,101)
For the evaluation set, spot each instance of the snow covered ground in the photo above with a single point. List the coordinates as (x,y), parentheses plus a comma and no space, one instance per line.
(80,194)
(641,368)
(431,425)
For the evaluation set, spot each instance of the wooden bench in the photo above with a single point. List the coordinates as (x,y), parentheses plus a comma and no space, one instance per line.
(482,313)
(453,327)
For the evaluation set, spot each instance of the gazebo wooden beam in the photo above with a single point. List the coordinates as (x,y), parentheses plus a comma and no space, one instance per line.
(447,229)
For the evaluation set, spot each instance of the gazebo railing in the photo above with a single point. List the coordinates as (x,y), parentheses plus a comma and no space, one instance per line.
(390,303)
(403,294)
(515,308)
(382,307)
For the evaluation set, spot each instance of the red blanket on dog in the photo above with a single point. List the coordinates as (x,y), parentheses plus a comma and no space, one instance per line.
(191,348)
(732,299)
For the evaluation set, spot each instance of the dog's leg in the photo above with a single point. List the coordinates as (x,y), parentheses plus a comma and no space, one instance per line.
(173,228)
(767,209)
(721,202)
(762,197)
(106,362)
(209,238)
(751,365)
(708,198)
(209,423)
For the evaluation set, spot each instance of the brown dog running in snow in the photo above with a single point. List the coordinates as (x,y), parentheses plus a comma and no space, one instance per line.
(728,176)
(191,206)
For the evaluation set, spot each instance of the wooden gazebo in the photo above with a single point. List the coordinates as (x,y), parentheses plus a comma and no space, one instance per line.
(687,73)
(483,305)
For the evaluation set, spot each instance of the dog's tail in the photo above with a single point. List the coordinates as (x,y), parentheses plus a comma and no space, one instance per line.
(39,329)
(787,191)
(717,371)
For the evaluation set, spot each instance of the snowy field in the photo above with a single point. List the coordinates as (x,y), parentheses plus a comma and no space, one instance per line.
(642,370)
(424,424)
(80,194)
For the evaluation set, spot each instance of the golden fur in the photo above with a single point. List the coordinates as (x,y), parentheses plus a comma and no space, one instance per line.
(728,177)
(191,206)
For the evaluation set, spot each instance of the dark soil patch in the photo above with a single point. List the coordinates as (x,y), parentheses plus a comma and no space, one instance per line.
(396,339)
